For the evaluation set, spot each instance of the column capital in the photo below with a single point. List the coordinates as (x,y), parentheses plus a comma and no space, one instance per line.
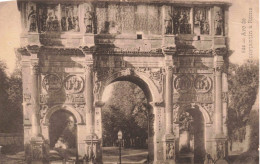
(169,68)
(88,68)
(218,63)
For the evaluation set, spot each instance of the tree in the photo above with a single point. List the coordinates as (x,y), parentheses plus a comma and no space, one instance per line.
(10,100)
(3,96)
(119,114)
(243,87)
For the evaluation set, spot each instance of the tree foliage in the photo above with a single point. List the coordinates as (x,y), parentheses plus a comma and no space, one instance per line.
(10,100)
(243,88)
(125,110)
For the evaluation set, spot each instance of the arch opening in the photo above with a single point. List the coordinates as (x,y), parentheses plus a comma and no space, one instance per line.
(192,135)
(144,87)
(63,134)
(137,81)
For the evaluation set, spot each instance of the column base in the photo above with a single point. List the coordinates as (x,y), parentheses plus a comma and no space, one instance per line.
(218,151)
(37,151)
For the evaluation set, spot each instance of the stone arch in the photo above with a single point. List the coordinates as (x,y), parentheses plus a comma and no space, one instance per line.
(55,108)
(201,118)
(204,112)
(138,78)
(151,91)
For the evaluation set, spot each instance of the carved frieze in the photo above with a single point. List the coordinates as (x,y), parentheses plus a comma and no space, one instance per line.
(51,83)
(178,21)
(182,83)
(202,83)
(185,51)
(73,84)
(201,20)
(193,97)
(69,18)
(67,98)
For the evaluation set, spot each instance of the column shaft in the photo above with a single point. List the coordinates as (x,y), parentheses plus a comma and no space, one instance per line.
(89,100)
(168,100)
(35,101)
(218,103)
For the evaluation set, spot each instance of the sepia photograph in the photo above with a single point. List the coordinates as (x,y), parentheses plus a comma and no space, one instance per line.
(129,82)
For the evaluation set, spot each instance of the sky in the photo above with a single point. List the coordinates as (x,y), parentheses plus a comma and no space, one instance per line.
(10,29)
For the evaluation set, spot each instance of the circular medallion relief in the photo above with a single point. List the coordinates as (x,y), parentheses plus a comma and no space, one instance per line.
(73,84)
(51,83)
(182,83)
(202,83)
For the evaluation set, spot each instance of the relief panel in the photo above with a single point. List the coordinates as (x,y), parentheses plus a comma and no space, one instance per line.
(193,88)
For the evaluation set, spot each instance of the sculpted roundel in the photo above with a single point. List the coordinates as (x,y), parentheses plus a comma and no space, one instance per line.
(182,83)
(51,83)
(202,83)
(73,84)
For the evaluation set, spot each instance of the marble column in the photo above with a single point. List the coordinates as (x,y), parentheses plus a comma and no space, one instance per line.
(35,151)
(168,100)
(218,63)
(35,99)
(89,99)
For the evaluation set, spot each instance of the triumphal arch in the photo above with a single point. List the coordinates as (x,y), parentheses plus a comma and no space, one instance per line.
(176,51)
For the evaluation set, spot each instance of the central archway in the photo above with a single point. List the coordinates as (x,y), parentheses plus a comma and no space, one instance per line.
(151,93)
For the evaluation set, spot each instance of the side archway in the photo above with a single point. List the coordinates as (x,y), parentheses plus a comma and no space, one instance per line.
(190,118)
(46,118)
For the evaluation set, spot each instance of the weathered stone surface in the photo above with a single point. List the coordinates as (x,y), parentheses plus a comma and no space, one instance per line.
(72,51)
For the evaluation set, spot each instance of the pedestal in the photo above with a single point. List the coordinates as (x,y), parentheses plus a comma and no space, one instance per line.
(92,150)
(169,149)
(37,151)
(89,40)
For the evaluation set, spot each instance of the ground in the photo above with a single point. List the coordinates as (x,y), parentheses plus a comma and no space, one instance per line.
(110,155)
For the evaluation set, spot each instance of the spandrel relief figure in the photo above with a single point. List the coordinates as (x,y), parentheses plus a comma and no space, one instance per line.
(32,20)
(218,23)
